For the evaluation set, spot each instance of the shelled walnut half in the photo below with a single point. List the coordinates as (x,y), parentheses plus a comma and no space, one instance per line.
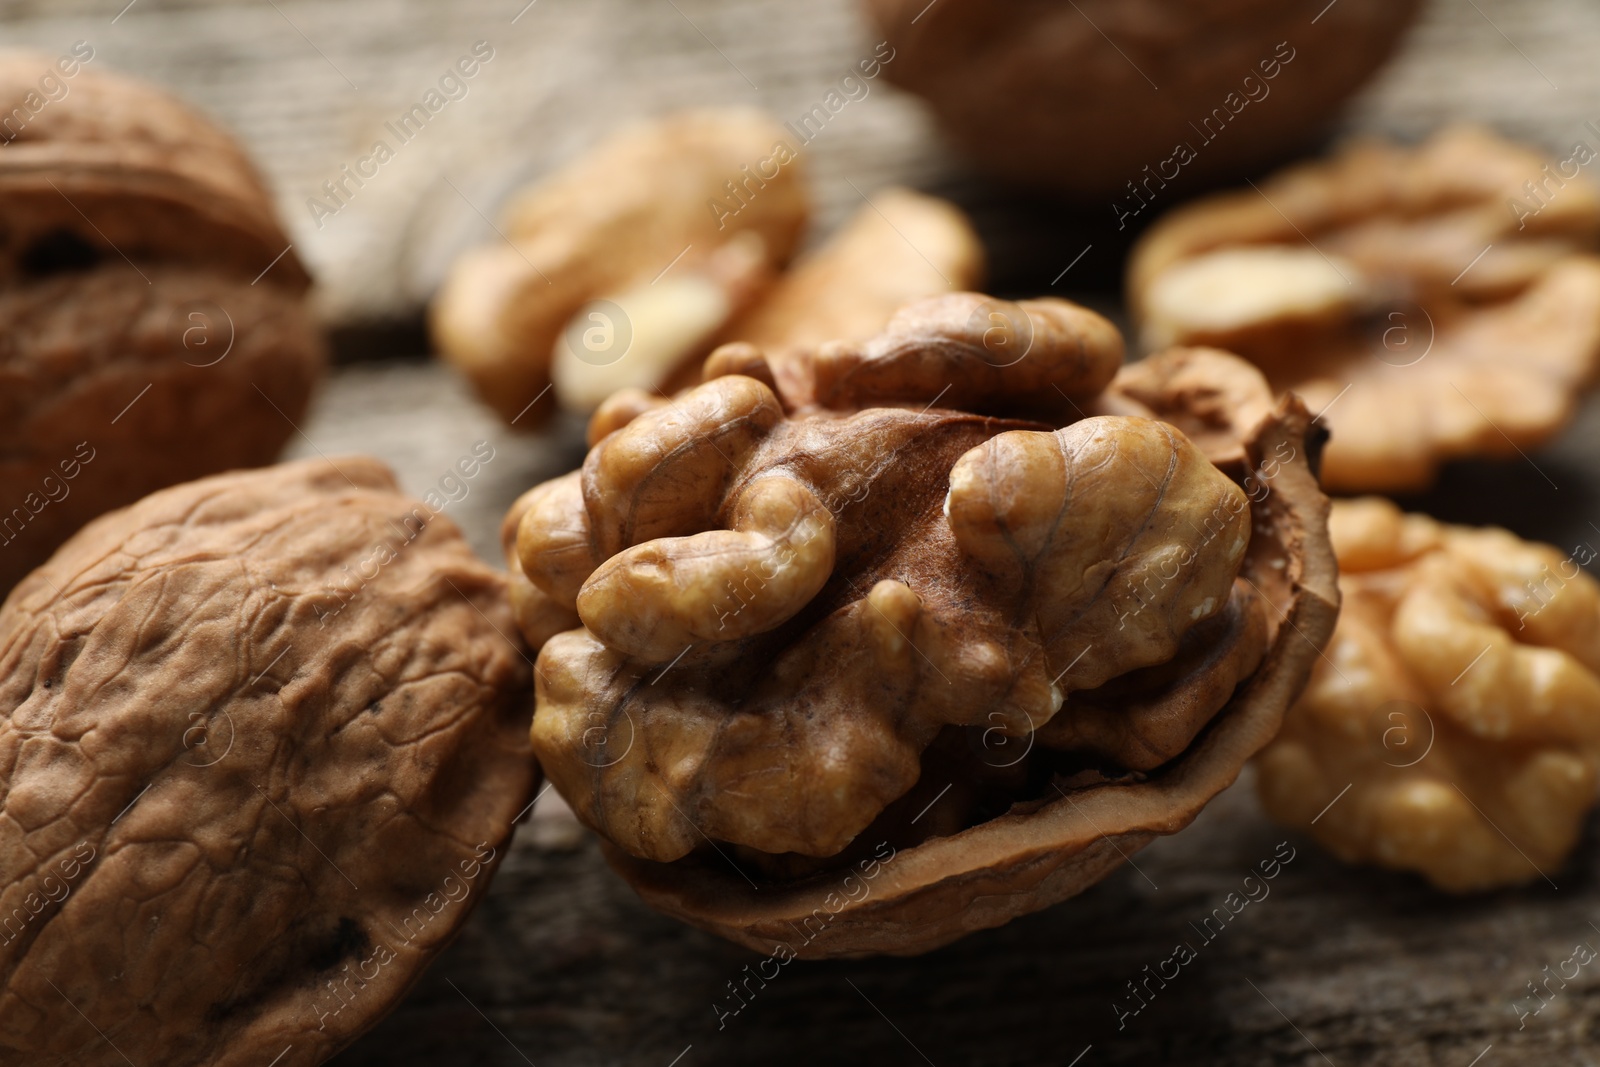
(1458,704)
(1438,302)
(962,595)
(155,323)
(262,740)
(624,269)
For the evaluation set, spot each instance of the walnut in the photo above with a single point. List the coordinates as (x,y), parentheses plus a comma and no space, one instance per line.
(155,323)
(1422,296)
(262,739)
(539,617)
(624,269)
(1459,703)
(800,600)
(901,247)
(1108,98)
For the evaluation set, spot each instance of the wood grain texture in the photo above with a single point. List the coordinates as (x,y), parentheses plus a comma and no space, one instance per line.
(1357,967)
(563,966)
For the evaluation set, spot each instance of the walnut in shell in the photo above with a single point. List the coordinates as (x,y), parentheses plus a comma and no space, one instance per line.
(155,321)
(625,268)
(782,612)
(1107,98)
(1458,709)
(1422,296)
(262,738)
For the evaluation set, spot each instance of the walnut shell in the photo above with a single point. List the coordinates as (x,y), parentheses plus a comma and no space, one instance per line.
(1412,294)
(262,739)
(1102,98)
(814,603)
(156,327)
(1454,726)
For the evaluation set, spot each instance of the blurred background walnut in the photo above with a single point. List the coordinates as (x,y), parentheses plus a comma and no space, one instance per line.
(154,320)
(811,588)
(626,267)
(607,227)
(1436,301)
(1459,701)
(1032,92)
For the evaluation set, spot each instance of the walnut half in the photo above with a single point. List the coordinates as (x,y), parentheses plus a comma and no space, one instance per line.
(1433,302)
(626,267)
(1459,704)
(921,592)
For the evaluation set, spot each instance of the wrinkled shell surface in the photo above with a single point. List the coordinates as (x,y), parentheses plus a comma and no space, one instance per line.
(810,599)
(1401,286)
(1459,700)
(262,739)
(1081,98)
(152,332)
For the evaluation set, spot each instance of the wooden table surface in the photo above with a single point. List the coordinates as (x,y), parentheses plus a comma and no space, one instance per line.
(562,965)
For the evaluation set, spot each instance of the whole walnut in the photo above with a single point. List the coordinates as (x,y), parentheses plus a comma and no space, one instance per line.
(262,740)
(626,267)
(1454,726)
(959,613)
(1119,98)
(1429,301)
(155,320)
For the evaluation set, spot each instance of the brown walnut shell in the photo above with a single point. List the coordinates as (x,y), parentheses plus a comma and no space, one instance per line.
(828,595)
(156,326)
(1083,98)
(262,741)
